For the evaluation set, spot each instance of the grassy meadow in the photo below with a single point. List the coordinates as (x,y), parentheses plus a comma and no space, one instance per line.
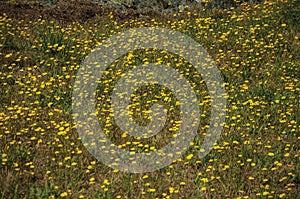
(256,48)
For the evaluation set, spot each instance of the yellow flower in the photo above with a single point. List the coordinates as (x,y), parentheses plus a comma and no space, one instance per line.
(189,156)
(145,176)
(92,179)
(64,194)
(271,154)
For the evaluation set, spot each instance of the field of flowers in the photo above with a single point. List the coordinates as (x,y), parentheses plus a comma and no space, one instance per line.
(256,48)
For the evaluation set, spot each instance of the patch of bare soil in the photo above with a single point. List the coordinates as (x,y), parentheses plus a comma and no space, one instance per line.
(20,11)
(75,10)
(68,11)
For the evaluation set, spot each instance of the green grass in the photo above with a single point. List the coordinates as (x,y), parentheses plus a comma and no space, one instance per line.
(255,47)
